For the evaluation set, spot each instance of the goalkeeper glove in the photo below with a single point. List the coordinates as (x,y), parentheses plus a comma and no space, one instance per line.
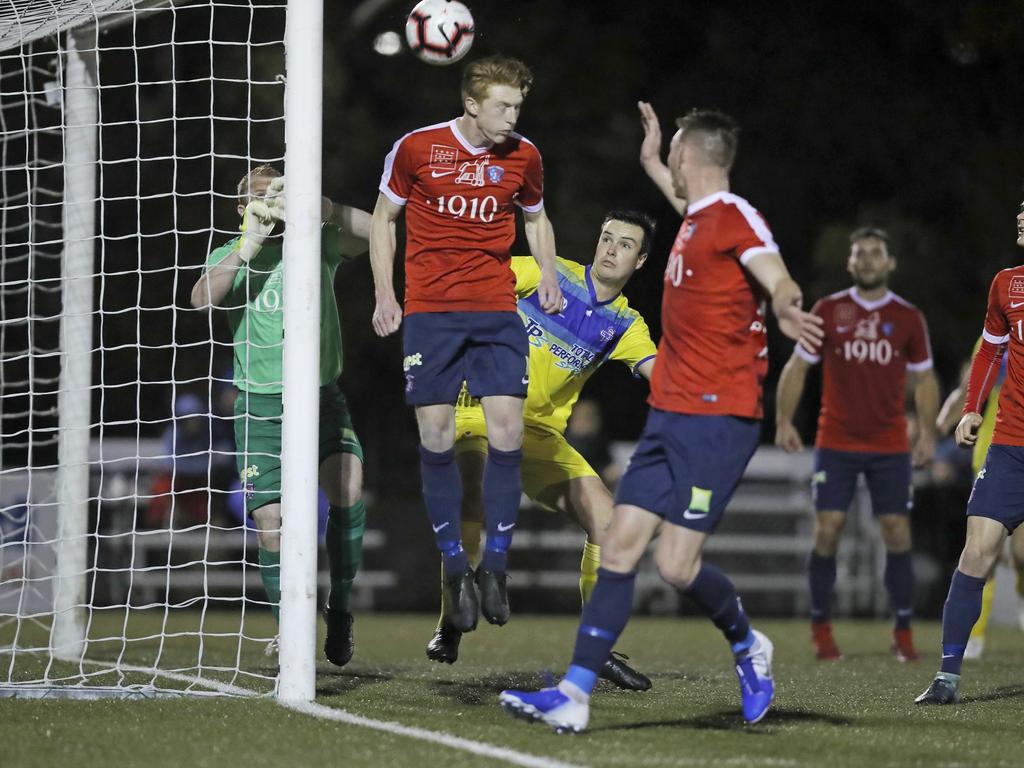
(257,223)
(274,198)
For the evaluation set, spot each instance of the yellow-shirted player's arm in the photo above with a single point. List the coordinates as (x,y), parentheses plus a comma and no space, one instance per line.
(636,348)
(527,273)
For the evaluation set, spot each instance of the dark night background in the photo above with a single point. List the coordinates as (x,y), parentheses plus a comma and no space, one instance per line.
(902,114)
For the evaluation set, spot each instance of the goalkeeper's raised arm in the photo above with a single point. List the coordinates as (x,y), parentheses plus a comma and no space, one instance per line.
(261,205)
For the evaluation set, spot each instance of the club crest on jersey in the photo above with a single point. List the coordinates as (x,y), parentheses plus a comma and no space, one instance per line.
(472,172)
(867,327)
(1017,286)
(608,333)
(443,158)
(495,173)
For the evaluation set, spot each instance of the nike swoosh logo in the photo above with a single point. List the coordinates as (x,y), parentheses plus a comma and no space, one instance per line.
(949,655)
(437,175)
(526,379)
(687,514)
(503,528)
(439,527)
(1015,304)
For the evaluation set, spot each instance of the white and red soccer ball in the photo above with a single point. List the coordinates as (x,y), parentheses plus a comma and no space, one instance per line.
(439,31)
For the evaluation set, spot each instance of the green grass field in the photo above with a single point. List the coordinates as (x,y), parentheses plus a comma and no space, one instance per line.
(858,712)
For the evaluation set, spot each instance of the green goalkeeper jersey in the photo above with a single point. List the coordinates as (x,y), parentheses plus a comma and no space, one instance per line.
(255,314)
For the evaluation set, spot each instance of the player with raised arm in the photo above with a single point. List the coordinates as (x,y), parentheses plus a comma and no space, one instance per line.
(704,422)
(459,183)
(873,341)
(244,277)
(595,325)
(996,505)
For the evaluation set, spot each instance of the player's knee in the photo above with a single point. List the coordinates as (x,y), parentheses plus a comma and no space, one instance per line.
(977,558)
(679,574)
(437,437)
(505,434)
(827,531)
(896,533)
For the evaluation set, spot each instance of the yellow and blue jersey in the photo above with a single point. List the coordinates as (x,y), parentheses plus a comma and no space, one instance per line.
(566,348)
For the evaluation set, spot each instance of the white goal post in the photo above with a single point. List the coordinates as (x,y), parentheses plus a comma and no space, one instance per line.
(127,565)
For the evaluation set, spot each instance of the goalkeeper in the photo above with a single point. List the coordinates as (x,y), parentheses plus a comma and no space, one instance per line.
(244,278)
(596,324)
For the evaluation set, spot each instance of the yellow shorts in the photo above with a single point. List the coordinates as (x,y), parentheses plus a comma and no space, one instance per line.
(548,458)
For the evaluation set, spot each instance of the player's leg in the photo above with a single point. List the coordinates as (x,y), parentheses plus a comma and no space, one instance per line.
(341,478)
(257,427)
(832,487)
(649,477)
(566,706)
(889,478)
(435,344)
(470,455)
(1017,558)
(497,361)
(584,496)
(995,507)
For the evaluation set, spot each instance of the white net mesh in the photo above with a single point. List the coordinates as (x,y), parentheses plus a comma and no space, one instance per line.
(189,96)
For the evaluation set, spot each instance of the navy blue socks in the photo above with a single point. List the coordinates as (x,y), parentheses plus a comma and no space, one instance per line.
(821,577)
(442,495)
(899,581)
(501,492)
(715,594)
(604,618)
(963,606)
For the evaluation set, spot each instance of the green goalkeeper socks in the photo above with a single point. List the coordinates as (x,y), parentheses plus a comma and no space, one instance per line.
(345,527)
(270,573)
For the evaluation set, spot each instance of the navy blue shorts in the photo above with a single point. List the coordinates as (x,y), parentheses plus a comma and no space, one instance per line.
(888,476)
(998,491)
(487,350)
(686,466)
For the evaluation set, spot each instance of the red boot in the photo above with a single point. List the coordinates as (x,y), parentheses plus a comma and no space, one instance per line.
(825,647)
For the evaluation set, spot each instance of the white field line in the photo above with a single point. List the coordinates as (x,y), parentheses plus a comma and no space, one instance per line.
(455,742)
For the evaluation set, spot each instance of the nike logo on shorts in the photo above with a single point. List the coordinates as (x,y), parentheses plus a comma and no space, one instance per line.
(688,515)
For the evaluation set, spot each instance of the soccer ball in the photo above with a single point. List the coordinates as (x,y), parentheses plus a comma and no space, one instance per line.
(439,31)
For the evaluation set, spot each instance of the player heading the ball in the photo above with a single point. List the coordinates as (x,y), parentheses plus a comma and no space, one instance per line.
(460,182)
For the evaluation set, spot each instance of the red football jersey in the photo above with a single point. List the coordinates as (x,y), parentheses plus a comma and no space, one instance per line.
(868,348)
(460,216)
(713,354)
(1004,325)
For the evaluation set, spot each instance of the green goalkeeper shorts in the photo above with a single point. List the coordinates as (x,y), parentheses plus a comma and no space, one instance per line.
(258,440)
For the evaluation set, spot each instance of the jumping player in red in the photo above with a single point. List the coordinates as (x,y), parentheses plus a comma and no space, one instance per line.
(873,341)
(996,506)
(460,183)
(704,423)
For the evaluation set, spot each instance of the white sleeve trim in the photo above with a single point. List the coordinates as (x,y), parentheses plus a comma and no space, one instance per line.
(997,340)
(386,191)
(750,253)
(924,365)
(755,222)
(806,356)
(536,208)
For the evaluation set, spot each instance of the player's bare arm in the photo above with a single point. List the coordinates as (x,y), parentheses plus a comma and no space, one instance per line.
(387,315)
(646,368)
(541,237)
(953,406)
(926,402)
(214,284)
(650,157)
(354,224)
(803,327)
(787,398)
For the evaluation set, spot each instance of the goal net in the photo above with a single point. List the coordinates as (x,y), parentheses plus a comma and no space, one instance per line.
(127,565)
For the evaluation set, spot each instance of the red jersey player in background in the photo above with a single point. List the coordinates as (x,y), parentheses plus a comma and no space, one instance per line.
(459,183)
(704,422)
(996,505)
(873,340)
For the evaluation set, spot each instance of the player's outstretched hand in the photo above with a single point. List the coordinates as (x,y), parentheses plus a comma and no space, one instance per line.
(257,224)
(650,148)
(387,316)
(966,433)
(274,198)
(803,327)
(787,437)
(924,450)
(550,294)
